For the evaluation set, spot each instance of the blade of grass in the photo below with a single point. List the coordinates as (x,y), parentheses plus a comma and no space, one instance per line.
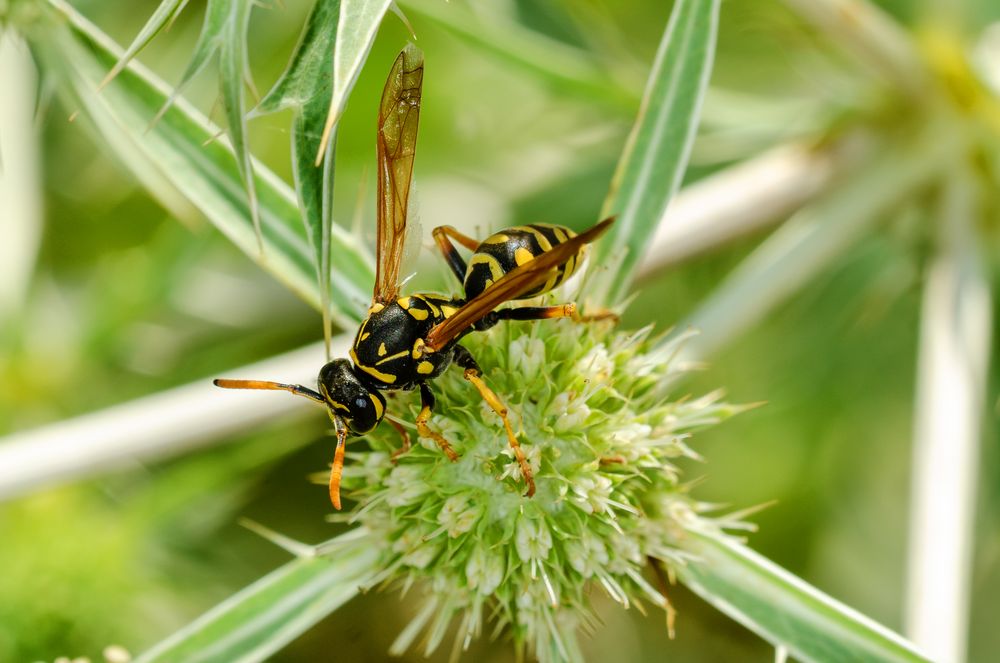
(955,330)
(815,237)
(359,21)
(306,86)
(654,159)
(784,610)
(258,621)
(178,155)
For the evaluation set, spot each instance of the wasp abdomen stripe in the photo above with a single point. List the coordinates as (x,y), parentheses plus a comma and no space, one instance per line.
(511,247)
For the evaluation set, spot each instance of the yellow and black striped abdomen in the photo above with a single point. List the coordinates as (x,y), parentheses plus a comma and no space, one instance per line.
(508,248)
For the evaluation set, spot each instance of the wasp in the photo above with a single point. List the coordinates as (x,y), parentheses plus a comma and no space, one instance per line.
(405,342)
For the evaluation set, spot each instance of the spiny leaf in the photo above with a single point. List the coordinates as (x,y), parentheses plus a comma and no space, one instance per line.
(224,31)
(783,609)
(306,86)
(177,161)
(359,21)
(233,68)
(309,73)
(167,11)
(258,621)
(655,157)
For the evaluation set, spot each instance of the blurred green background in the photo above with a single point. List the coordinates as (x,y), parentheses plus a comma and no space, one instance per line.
(125,301)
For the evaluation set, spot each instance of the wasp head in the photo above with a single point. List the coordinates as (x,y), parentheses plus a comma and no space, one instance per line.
(360,406)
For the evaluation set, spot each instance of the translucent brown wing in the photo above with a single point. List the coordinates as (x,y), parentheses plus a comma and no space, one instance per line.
(398,116)
(513,284)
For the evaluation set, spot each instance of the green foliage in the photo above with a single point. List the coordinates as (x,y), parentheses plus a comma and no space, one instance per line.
(656,154)
(257,622)
(176,154)
(306,86)
(811,627)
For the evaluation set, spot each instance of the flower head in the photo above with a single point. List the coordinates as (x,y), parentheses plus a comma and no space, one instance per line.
(592,410)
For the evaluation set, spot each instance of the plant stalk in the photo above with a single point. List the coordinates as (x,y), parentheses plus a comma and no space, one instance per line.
(955,332)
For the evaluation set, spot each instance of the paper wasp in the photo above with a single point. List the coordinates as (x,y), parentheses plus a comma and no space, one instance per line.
(405,342)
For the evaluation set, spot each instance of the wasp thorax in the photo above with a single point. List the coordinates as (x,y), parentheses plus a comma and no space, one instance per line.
(349,398)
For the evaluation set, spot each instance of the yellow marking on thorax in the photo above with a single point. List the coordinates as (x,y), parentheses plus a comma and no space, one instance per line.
(374,372)
(395,355)
(447,310)
(523,255)
(404,302)
(381,350)
(418,348)
(425,367)
(431,305)
(418,313)
(376,307)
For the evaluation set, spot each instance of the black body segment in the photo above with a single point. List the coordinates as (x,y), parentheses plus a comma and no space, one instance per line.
(512,247)
(387,348)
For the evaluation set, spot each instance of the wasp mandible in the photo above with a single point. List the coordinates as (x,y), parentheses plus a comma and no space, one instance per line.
(405,342)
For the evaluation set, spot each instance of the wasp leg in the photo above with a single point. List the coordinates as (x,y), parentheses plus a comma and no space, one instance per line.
(599,316)
(472,373)
(405,437)
(448,250)
(668,607)
(426,405)
(542,313)
(526,313)
(337,469)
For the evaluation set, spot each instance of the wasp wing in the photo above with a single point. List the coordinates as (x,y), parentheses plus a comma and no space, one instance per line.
(510,286)
(399,113)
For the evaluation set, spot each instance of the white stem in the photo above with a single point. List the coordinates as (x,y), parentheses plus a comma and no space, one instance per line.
(952,367)
(20,183)
(164,424)
(737,201)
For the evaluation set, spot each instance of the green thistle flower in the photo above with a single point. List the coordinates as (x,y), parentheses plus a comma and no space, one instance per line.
(592,409)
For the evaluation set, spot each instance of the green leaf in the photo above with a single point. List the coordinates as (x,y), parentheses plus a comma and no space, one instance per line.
(224,31)
(306,86)
(165,13)
(177,160)
(258,621)
(233,73)
(783,609)
(359,21)
(655,157)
